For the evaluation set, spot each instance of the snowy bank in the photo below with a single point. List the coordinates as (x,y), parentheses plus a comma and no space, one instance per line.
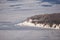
(29,23)
(44,21)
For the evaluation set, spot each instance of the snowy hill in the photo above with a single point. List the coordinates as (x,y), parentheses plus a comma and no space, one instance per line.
(44,21)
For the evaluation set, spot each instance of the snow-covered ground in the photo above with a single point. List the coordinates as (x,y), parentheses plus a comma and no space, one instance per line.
(26,24)
(29,23)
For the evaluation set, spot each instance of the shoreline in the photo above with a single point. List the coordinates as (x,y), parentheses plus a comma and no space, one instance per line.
(25,23)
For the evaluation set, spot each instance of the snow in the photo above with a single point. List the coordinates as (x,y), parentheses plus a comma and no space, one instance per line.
(46,26)
(29,23)
(26,24)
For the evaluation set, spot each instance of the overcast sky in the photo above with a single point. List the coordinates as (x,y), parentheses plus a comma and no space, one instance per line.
(16,9)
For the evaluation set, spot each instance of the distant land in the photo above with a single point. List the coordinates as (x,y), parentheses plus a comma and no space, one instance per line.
(46,20)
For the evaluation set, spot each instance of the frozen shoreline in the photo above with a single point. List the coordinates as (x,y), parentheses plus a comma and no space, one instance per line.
(25,23)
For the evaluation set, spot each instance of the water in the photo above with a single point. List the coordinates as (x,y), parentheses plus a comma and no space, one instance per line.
(29,34)
(16,11)
(10,31)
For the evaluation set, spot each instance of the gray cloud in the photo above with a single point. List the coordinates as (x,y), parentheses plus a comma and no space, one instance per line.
(52,1)
(47,5)
(11,0)
(14,11)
